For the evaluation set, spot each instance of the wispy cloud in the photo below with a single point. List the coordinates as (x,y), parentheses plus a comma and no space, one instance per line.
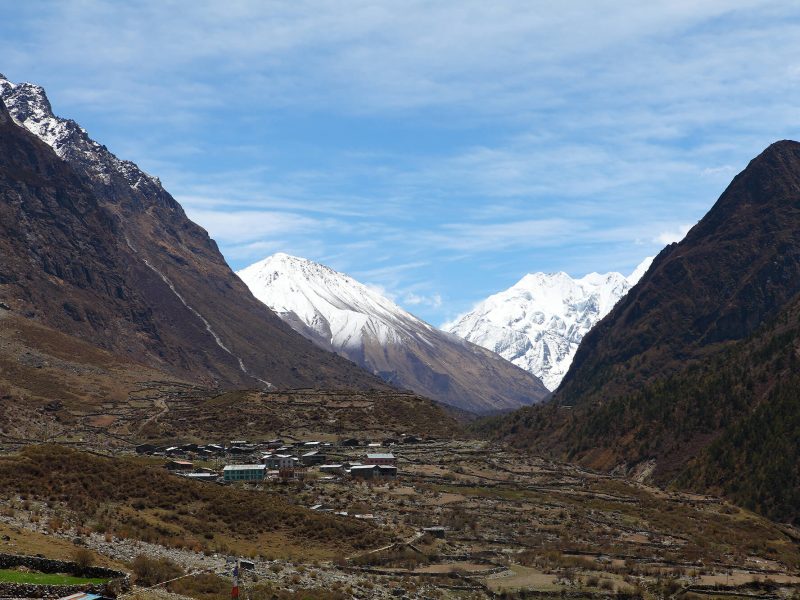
(252,225)
(477,237)
(676,235)
(377,56)
(412,299)
(439,162)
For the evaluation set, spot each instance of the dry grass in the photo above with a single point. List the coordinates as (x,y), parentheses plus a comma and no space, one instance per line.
(311,414)
(129,499)
(16,540)
(39,365)
(213,587)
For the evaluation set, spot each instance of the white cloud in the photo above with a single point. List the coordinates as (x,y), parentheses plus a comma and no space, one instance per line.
(389,55)
(381,291)
(580,125)
(412,299)
(252,225)
(724,170)
(478,237)
(391,271)
(675,235)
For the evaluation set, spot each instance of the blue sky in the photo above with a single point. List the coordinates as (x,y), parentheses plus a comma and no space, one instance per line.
(437,150)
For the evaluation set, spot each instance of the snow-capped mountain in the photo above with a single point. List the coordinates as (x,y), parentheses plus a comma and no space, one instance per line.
(95,248)
(341,314)
(339,310)
(28,105)
(539,322)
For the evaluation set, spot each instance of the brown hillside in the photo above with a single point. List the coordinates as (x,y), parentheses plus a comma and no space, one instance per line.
(734,270)
(89,253)
(693,377)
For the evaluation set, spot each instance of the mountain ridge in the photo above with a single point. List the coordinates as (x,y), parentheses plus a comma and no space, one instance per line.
(539,321)
(344,315)
(709,288)
(183,310)
(692,377)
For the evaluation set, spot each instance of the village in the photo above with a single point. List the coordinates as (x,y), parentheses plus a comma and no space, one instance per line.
(275,460)
(459,519)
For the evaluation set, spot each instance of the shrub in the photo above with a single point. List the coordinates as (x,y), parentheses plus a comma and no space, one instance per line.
(206,586)
(83,557)
(150,571)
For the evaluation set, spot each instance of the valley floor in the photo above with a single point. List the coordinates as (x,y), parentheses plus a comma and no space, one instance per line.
(513,524)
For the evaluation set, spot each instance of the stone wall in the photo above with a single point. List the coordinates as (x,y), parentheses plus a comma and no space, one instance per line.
(118,581)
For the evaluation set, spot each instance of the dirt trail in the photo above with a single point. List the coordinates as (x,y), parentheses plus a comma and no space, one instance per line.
(158,403)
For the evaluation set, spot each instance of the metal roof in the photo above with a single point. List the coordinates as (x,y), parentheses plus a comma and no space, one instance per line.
(243,467)
(381,456)
(82,596)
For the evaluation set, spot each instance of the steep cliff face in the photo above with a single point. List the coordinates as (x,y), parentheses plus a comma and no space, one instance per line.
(96,248)
(61,261)
(734,270)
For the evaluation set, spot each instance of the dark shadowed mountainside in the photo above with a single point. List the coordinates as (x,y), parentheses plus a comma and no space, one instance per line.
(93,247)
(734,270)
(694,375)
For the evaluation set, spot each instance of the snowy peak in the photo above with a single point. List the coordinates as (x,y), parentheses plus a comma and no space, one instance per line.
(556,292)
(640,270)
(341,314)
(29,106)
(539,322)
(135,275)
(341,310)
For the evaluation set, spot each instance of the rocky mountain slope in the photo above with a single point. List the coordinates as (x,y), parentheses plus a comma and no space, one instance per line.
(733,271)
(693,376)
(539,322)
(95,248)
(343,315)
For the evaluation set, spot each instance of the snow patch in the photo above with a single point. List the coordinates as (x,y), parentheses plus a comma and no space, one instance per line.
(28,105)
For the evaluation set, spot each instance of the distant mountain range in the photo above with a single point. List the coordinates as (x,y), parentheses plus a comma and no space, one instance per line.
(694,376)
(539,322)
(95,248)
(340,314)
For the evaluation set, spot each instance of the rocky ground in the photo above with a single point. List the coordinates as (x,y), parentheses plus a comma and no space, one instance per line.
(288,575)
(513,524)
